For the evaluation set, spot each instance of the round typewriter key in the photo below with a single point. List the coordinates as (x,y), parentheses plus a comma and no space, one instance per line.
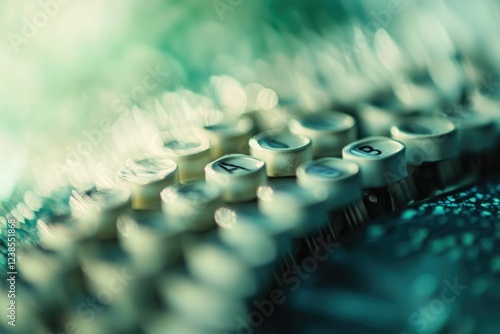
(254,246)
(477,140)
(62,233)
(103,263)
(383,173)
(226,138)
(237,175)
(54,277)
(488,108)
(329,131)
(303,208)
(277,117)
(282,152)
(99,209)
(377,117)
(98,260)
(475,133)
(235,218)
(192,203)
(432,151)
(378,158)
(203,305)
(219,266)
(191,157)
(165,322)
(146,178)
(104,321)
(150,235)
(428,138)
(241,227)
(341,179)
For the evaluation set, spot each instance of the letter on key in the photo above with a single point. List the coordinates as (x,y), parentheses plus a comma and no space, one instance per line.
(238,176)
(378,157)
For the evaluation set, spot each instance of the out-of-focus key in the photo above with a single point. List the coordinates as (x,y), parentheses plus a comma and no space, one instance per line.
(62,233)
(256,247)
(219,266)
(418,93)
(237,175)
(146,178)
(235,218)
(202,305)
(377,117)
(164,322)
(193,204)
(151,239)
(341,179)
(477,141)
(383,172)
(104,321)
(99,209)
(191,157)
(226,138)
(488,107)
(329,131)
(305,209)
(277,118)
(282,152)
(432,151)
(55,276)
(103,263)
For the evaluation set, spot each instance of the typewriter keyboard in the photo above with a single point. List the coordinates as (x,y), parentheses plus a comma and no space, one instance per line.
(370,204)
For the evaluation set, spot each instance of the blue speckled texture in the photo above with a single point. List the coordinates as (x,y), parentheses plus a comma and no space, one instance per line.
(390,277)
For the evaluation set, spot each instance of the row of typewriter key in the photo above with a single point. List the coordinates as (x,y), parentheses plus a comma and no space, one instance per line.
(294,190)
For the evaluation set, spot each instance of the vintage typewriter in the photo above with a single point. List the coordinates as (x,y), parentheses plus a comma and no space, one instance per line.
(325,168)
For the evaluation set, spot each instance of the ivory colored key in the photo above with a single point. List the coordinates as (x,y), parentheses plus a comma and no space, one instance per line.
(150,235)
(383,173)
(341,179)
(277,118)
(329,131)
(281,151)
(255,246)
(488,106)
(238,218)
(237,175)
(55,276)
(477,141)
(226,137)
(377,117)
(432,151)
(63,233)
(98,209)
(146,178)
(225,268)
(104,320)
(303,208)
(166,322)
(192,203)
(190,156)
(103,262)
(263,241)
(203,305)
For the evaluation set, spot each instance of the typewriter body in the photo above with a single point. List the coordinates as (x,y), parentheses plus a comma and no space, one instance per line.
(334,170)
